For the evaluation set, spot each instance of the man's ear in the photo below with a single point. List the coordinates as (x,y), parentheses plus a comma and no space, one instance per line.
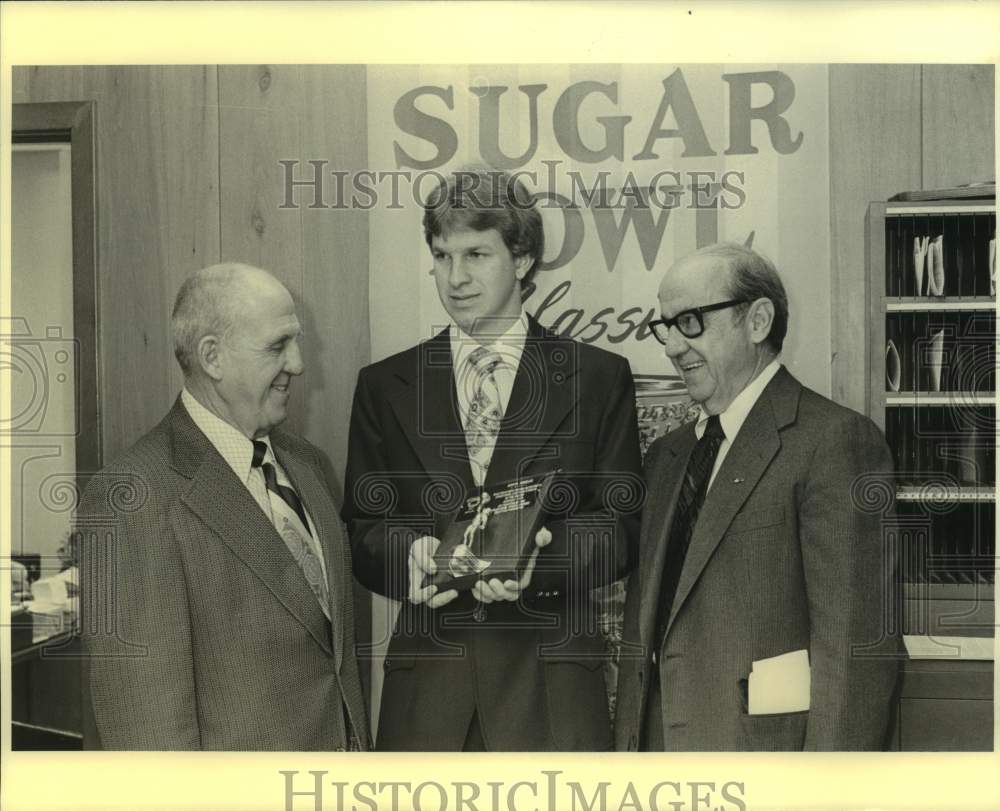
(760,317)
(208,354)
(523,264)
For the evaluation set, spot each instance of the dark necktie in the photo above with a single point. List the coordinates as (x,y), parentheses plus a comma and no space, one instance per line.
(288,495)
(692,496)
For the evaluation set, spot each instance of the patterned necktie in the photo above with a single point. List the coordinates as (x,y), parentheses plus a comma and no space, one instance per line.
(692,496)
(485,410)
(282,499)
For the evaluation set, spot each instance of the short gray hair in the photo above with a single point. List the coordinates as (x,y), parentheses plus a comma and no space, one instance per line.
(208,303)
(752,276)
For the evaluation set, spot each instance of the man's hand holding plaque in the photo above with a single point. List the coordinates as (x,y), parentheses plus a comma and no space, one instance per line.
(492,590)
(423,566)
(492,544)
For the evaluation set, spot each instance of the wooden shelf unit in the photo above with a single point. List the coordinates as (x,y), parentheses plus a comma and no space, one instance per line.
(941,426)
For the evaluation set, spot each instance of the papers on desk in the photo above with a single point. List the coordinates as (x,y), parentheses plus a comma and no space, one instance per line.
(779,684)
(55,604)
(50,590)
(47,620)
(976,648)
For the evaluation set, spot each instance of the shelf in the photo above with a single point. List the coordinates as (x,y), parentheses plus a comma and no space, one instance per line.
(975,648)
(935,209)
(957,399)
(935,493)
(914,304)
(944,532)
(985,190)
(36,650)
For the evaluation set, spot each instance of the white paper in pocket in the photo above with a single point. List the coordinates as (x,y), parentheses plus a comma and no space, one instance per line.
(779,684)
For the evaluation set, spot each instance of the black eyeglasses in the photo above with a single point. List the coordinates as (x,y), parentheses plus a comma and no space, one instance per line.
(690,323)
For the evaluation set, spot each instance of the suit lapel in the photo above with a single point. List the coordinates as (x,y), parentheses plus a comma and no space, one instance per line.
(225,505)
(664,485)
(544,393)
(426,405)
(319,505)
(756,445)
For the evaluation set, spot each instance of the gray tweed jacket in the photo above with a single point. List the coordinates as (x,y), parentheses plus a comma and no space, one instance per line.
(200,629)
(788,553)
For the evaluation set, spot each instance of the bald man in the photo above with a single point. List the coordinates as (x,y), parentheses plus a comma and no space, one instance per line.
(757,617)
(217,578)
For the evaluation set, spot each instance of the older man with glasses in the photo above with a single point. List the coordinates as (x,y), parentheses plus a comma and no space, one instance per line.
(756,618)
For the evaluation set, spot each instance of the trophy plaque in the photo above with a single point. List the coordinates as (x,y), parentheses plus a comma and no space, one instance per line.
(492,533)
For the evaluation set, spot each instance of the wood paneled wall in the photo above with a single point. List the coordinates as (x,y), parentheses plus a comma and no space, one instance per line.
(158,219)
(958,132)
(188,175)
(269,113)
(893,128)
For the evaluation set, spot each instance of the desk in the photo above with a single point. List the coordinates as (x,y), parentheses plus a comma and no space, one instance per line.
(46,694)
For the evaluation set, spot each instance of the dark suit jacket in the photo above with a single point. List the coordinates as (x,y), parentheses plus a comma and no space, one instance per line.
(533,669)
(201,630)
(787,554)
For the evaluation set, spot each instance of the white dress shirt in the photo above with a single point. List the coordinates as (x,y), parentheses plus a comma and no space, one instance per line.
(732,418)
(237,450)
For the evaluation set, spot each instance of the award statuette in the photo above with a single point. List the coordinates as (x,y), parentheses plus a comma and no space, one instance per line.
(493,533)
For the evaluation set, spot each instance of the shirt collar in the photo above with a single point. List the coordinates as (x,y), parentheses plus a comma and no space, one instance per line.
(510,345)
(229,441)
(732,418)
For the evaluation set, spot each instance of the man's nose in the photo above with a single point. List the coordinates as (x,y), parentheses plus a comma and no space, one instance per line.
(458,273)
(293,360)
(676,344)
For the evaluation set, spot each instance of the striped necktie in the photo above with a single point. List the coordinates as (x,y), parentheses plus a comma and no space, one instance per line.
(282,498)
(287,494)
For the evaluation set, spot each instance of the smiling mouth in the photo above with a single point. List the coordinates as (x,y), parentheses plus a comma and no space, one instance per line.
(463,299)
(690,367)
(282,387)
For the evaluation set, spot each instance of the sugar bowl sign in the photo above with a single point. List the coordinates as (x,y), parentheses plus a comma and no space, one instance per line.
(632,167)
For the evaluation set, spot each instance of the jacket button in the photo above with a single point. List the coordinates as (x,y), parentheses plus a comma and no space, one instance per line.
(387,663)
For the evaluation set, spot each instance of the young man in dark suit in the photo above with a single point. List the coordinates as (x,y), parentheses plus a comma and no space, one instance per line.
(217,608)
(512,664)
(757,618)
